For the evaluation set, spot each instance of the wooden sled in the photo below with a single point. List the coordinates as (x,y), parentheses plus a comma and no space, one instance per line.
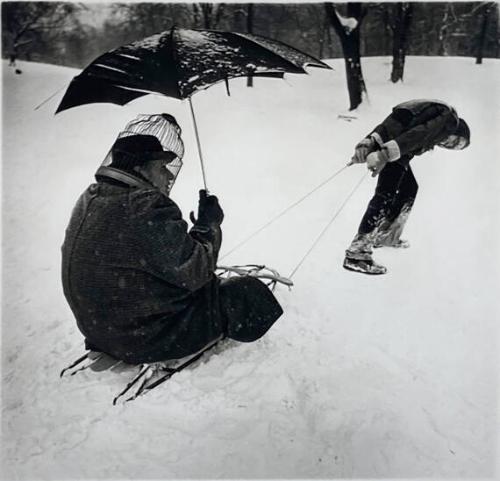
(149,375)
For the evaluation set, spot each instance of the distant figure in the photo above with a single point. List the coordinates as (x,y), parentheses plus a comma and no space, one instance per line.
(413,127)
(12,62)
(140,284)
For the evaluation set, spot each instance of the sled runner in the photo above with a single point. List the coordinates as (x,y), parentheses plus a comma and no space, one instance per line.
(149,375)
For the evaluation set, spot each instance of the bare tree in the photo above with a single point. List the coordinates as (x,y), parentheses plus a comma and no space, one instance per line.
(25,24)
(128,22)
(310,28)
(400,25)
(250,30)
(487,9)
(388,37)
(323,35)
(348,30)
(143,19)
(250,18)
(271,18)
(448,20)
(54,32)
(208,15)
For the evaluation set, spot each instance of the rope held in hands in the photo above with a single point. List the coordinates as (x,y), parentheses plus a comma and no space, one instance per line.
(290,207)
(323,232)
(283,212)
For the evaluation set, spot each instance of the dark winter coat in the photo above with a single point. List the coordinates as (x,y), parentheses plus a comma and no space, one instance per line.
(141,287)
(415,127)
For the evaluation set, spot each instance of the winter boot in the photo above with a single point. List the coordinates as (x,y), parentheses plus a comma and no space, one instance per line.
(397,244)
(388,233)
(358,257)
(361,247)
(364,266)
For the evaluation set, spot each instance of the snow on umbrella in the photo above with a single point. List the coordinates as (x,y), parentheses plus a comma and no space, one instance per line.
(178,63)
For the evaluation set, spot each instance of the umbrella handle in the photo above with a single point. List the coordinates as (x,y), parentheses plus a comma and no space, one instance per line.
(200,154)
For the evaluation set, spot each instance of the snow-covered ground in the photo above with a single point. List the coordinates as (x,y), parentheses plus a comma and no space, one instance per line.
(394,376)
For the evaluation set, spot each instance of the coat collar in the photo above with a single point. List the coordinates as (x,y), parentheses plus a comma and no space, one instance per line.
(123,177)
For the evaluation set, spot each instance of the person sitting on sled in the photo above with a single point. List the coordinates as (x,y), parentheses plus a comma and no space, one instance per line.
(140,284)
(412,128)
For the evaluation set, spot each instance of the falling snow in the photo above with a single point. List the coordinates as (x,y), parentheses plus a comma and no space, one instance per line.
(393,377)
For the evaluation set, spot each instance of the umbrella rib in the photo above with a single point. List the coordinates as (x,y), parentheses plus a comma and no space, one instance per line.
(126,55)
(116,84)
(135,89)
(109,67)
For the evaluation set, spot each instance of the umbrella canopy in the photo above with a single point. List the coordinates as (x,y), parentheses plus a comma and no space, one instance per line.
(180,62)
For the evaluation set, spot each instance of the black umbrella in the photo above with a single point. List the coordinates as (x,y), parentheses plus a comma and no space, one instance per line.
(180,62)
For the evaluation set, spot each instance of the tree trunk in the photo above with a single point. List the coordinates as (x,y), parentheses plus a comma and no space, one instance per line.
(207,8)
(250,30)
(402,20)
(388,29)
(443,30)
(355,82)
(350,41)
(322,35)
(250,18)
(482,34)
(196,15)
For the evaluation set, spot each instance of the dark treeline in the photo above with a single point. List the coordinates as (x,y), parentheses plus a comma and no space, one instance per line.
(66,34)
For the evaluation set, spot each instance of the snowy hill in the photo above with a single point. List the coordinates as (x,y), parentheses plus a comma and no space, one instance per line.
(395,376)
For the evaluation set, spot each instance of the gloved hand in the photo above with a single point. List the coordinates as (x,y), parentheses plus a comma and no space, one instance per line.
(209,210)
(362,149)
(376,161)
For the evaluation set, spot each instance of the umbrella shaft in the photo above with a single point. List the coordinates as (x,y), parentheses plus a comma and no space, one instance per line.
(200,154)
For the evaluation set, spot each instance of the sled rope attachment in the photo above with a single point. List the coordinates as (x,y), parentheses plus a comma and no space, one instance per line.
(323,232)
(270,276)
(283,212)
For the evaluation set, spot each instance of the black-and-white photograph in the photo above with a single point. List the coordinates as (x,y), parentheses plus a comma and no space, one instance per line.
(250,240)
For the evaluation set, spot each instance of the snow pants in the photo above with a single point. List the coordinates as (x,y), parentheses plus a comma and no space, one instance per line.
(387,211)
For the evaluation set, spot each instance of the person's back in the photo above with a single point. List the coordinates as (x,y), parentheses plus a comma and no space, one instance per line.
(130,273)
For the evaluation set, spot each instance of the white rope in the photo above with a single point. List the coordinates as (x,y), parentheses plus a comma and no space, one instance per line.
(328,225)
(283,212)
(49,98)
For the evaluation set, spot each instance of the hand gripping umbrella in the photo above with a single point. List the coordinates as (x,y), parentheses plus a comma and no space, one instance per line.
(178,63)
